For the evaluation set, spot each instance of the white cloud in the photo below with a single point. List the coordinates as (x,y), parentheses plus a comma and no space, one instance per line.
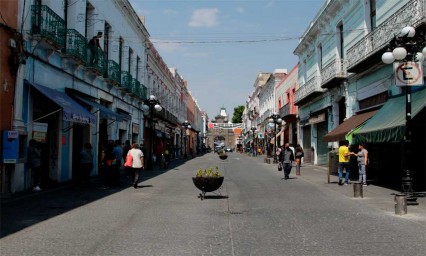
(204,18)
(240,10)
(269,4)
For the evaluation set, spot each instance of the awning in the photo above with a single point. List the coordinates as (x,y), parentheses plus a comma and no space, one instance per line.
(353,122)
(71,110)
(388,124)
(105,112)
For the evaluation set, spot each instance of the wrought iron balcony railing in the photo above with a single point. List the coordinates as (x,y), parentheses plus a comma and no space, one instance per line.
(287,110)
(126,81)
(96,59)
(135,86)
(47,23)
(76,45)
(143,92)
(412,14)
(113,71)
(312,86)
(335,69)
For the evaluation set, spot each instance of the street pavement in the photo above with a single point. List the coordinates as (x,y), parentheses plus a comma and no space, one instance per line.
(256,212)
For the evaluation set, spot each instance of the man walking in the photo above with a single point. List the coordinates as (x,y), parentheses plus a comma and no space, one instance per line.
(344,155)
(286,157)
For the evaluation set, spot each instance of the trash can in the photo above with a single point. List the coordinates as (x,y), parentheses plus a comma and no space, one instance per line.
(333,161)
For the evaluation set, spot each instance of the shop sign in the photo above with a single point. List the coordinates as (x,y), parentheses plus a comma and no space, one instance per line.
(317,119)
(40,132)
(135,128)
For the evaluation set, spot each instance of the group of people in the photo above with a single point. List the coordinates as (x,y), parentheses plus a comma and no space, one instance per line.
(344,162)
(288,154)
(113,156)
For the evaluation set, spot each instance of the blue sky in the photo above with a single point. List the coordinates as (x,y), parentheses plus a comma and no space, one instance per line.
(220,46)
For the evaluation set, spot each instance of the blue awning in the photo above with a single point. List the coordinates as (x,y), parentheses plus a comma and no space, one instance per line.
(105,112)
(71,110)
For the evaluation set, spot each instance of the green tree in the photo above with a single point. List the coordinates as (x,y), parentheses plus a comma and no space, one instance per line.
(238,113)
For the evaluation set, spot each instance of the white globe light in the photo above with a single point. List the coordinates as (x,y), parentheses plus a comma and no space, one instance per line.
(189,127)
(399,53)
(158,107)
(279,120)
(152,97)
(419,57)
(388,58)
(408,31)
(145,108)
(424,51)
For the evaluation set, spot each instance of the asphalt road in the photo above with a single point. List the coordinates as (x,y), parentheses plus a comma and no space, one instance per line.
(256,212)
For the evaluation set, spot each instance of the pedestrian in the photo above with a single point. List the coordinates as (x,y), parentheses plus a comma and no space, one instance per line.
(118,155)
(298,157)
(34,162)
(86,165)
(126,148)
(94,45)
(137,164)
(286,157)
(167,156)
(108,164)
(362,158)
(344,155)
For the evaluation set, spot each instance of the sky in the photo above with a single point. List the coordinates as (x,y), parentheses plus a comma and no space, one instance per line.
(220,46)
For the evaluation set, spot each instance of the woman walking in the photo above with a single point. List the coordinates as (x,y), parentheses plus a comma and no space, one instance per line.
(298,156)
(137,163)
(362,158)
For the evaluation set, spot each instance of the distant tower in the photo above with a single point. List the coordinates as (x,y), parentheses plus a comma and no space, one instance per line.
(223,116)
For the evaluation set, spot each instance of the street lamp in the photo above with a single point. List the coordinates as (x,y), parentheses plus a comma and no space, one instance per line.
(407,49)
(187,126)
(149,105)
(275,119)
(253,129)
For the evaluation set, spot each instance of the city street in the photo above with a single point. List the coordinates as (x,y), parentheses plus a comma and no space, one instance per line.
(256,212)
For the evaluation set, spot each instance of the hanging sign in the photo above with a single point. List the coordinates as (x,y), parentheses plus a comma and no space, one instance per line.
(408,74)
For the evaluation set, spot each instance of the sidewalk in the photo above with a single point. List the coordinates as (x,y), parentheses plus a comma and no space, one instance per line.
(376,197)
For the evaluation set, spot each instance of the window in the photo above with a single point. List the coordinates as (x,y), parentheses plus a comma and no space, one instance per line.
(106,40)
(340,46)
(120,53)
(130,60)
(138,60)
(372,14)
(320,56)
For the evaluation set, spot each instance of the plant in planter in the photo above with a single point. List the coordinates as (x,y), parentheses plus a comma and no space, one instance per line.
(223,155)
(207,180)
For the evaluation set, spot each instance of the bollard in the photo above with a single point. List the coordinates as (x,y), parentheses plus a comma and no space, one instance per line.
(358,190)
(400,204)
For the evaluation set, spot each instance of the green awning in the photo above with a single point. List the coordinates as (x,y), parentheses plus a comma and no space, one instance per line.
(388,124)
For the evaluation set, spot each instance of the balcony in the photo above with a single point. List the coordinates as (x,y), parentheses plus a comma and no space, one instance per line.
(368,51)
(288,111)
(308,91)
(143,92)
(135,87)
(126,81)
(113,73)
(333,73)
(76,48)
(46,24)
(96,61)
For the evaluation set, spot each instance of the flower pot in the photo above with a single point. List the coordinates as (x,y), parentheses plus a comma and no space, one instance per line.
(223,157)
(207,184)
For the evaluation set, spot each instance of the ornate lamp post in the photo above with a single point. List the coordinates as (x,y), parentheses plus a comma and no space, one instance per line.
(253,129)
(275,119)
(407,49)
(149,105)
(187,126)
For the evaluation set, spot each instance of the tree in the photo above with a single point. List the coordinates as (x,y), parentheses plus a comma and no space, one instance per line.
(238,114)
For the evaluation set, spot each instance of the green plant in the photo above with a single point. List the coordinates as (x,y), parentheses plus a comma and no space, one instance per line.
(210,172)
